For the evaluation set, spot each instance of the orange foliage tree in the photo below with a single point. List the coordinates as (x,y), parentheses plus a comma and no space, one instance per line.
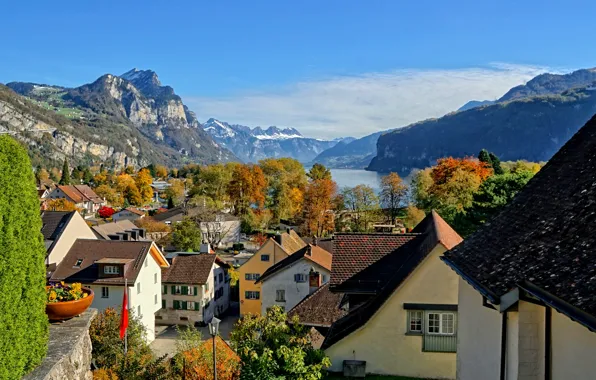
(247,188)
(198,361)
(318,207)
(60,204)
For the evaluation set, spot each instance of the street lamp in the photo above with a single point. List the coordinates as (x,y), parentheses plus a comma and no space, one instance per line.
(214,330)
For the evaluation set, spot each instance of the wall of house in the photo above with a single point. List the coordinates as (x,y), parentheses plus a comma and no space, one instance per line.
(223,303)
(383,342)
(150,287)
(256,265)
(531,347)
(573,349)
(284,280)
(512,358)
(75,229)
(479,337)
(170,316)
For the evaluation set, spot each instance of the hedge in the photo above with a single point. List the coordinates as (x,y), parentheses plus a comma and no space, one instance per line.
(23,322)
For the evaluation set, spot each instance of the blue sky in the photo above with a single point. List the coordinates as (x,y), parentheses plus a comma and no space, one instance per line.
(329,68)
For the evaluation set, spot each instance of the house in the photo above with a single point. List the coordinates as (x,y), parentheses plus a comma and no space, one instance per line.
(81,195)
(241,258)
(402,312)
(292,279)
(527,279)
(129,213)
(60,229)
(121,230)
(106,266)
(159,187)
(195,287)
(223,230)
(271,252)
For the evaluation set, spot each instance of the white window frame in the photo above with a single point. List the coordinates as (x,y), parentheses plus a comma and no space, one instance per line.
(190,290)
(281,292)
(300,277)
(155,278)
(416,315)
(441,315)
(155,298)
(139,311)
(138,288)
(252,295)
(177,289)
(105,292)
(111,269)
(190,305)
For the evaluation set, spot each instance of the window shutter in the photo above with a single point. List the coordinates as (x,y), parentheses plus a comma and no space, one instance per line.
(197,305)
(165,289)
(196,291)
(296,277)
(173,289)
(184,289)
(163,304)
(176,304)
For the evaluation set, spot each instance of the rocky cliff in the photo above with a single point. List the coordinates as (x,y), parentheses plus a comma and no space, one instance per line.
(121,121)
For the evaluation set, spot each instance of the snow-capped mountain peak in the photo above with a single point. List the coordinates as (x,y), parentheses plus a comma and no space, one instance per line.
(219,129)
(274,133)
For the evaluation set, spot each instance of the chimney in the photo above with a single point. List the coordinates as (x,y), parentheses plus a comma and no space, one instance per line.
(278,238)
(315,241)
(205,248)
(115,237)
(288,229)
(309,250)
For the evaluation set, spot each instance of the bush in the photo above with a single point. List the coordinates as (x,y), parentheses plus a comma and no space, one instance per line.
(237,246)
(23,322)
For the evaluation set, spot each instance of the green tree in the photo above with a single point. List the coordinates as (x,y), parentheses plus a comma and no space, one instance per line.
(364,204)
(484,156)
(65,179)
(319,171)
(23,322)
(273,347)
(87,175)
(496,164)
(187,236)
(76,175)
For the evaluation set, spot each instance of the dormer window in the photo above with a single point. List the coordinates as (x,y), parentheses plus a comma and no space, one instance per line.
(78,263)
(111,269)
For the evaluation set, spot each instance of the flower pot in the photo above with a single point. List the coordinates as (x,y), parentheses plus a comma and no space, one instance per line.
(60,311)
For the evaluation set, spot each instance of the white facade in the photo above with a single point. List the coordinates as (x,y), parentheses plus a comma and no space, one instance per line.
(222,290)
(76,228)
(144,296)
(281,288)
(573,347)
(229,229)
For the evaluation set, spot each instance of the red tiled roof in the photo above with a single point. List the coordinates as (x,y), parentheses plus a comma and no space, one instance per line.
(192,268)
(354,252)
(72,193)
(135,211)
(321,308)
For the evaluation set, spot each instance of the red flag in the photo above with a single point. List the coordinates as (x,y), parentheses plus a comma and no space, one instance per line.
(124,314)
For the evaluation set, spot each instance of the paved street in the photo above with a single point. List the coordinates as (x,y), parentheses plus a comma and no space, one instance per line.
(165,340)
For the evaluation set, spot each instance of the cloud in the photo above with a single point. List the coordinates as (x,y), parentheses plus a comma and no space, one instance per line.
(362,104)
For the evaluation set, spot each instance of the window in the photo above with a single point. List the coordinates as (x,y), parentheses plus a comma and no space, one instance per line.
(190,305)
(300,277)
(220,277)
(264,257)
(155,299)
(177,289)
(155,278)
(78,263)
(163,304)
(280,295)
(324,279)
(164,289)
(251,295)
(252,276)
(146,262)
(415,318)
(111,269)
(441,323)
(215,279)
(207,287)
(139,311)
(138,287)
(105,292)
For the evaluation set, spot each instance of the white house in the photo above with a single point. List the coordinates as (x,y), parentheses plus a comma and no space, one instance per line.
(81,195)
(291,280)
(194,288)
(105,266)
(129,213)
(60,229)
(527,287)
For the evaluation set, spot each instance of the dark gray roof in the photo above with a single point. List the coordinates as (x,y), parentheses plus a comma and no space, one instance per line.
(54,222)
(546,236)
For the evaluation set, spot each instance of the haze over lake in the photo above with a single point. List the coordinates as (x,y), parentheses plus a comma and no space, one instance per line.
(353,177)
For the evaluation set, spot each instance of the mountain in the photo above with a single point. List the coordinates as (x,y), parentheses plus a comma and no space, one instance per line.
(252,145)
(133,117)
(531,128)
(351,153)
(475,103)
(548,84)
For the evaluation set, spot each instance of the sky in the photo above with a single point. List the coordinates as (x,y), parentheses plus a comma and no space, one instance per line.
(328,68)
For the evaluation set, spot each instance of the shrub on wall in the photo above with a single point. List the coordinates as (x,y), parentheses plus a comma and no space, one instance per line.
(23,322)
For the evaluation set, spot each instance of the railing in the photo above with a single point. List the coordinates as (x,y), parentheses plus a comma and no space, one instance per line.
(439,343)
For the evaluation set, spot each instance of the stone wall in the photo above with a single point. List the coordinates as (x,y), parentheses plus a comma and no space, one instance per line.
(69,351)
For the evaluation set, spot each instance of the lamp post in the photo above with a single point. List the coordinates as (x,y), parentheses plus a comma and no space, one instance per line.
(214,330)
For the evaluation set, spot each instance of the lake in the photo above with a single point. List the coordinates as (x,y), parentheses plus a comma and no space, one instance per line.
(353,177)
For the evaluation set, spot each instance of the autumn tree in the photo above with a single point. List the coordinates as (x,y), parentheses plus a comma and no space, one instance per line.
(161,171)
(65,178)
(152,225)
(110,194)
(393,195)
(247,188)
(176,191)
(318,202)
(143,183)
(281,350)
(212,181)
(41,174)
(413,216)
(55,174)
(60,204)
(105,212)
(286,180)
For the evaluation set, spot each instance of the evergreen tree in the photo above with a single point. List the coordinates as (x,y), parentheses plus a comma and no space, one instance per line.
(170,203)
(23,322)
(496,164)
(65,179)
(484,156)
(87,175)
